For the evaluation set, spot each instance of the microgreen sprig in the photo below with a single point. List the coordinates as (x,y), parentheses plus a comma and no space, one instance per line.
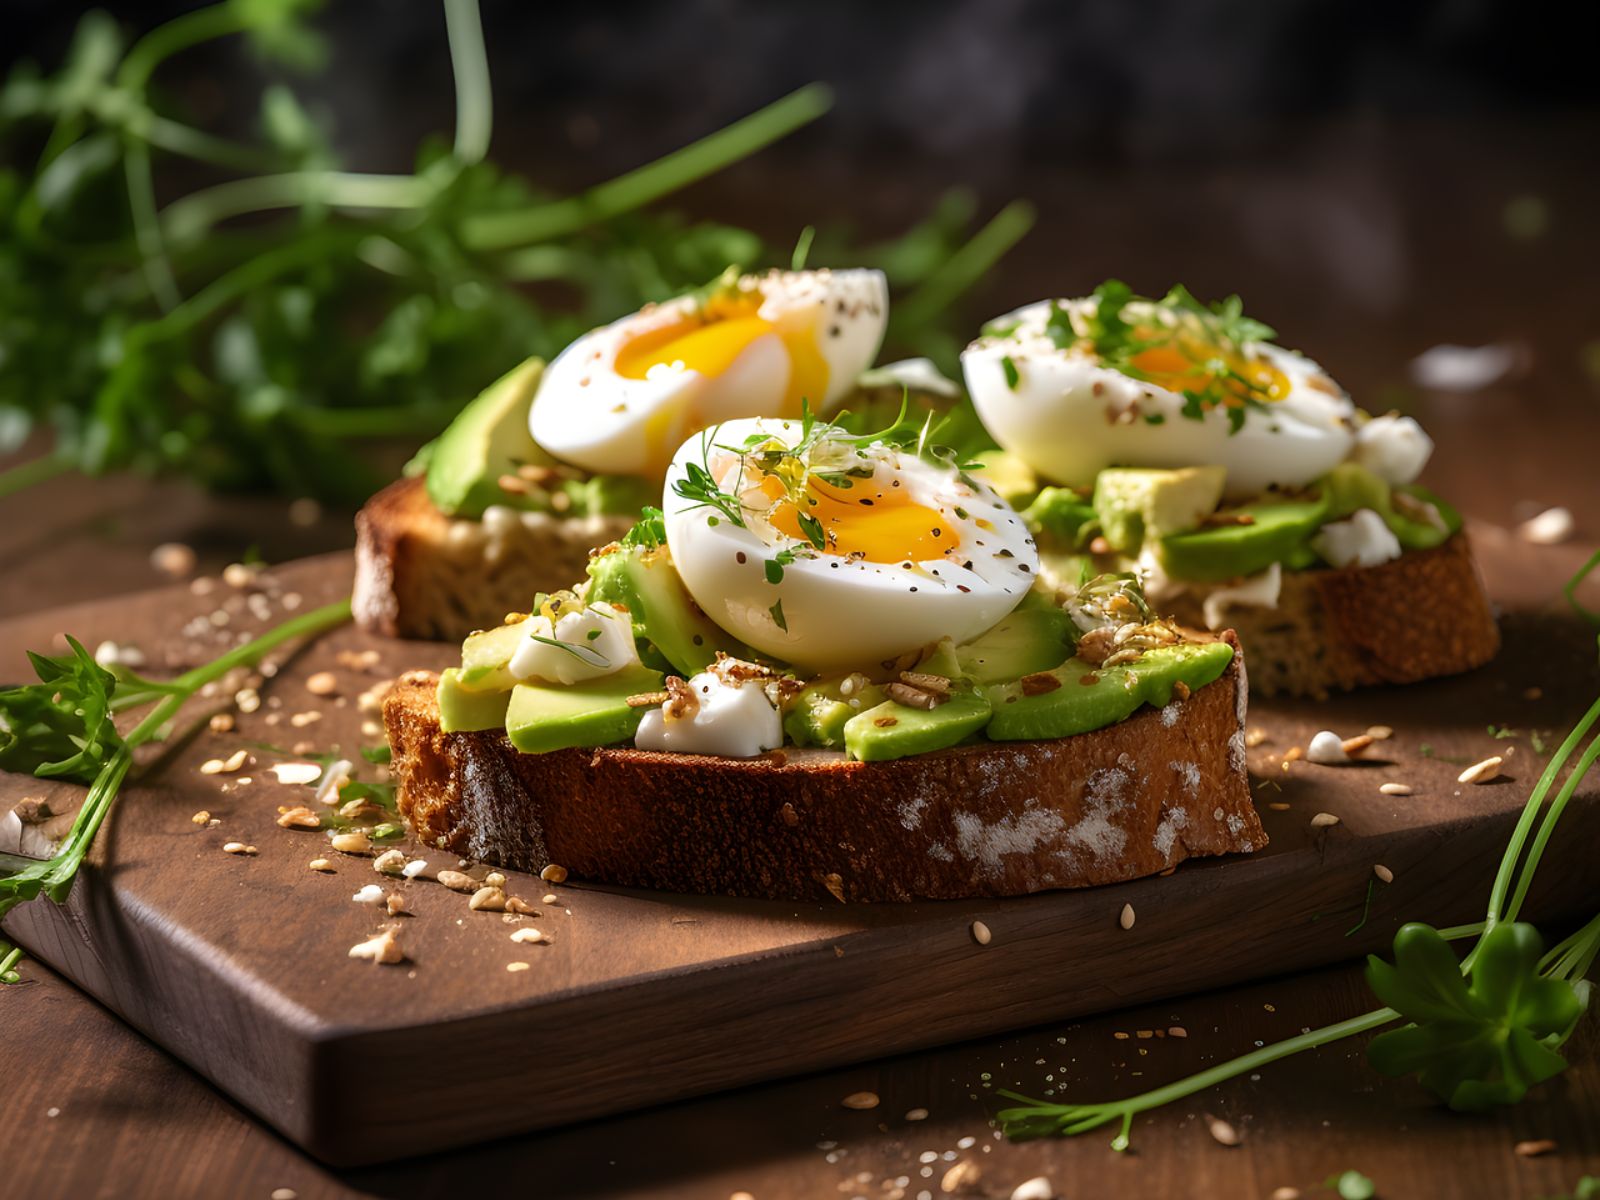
(71,705)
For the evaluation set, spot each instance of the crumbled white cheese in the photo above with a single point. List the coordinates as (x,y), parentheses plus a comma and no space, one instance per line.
(1253,591)
(918,374)
(595,641)
(1327,748)
(371,894)
(1395,449)
(732,720)
(1361,541)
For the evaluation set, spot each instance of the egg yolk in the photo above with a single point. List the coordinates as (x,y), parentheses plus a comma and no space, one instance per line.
(878,524)
(710,346)
(1182,363)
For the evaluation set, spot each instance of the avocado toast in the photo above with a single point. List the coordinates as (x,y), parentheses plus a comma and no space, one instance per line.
(1238,478)
(829,667)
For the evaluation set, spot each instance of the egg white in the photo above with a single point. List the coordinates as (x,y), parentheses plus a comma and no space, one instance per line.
(588,414)
(1068,417)
(841,613)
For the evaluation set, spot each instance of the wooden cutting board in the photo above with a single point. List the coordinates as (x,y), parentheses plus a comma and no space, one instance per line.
(238,964)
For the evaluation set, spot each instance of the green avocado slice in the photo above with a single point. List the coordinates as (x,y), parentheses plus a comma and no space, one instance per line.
(1275,530)
(462,710)
(595,712)
(892,730)
(1083,698)
(489,438)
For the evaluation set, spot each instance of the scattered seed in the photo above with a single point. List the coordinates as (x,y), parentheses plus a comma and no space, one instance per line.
(1278,805)
(1383,873)
(382,947)
(299,817)
(201,818)
(352,842)
(1222,1132)
(221,723)
(1550,528)
(527,934)
(1379,733)
(323,683)
(1177,1031)
(238,575)
(981,934)
(1356,746)
(1120,1036)
(516,966)
(518,906)
(301,719)
(554,873)
(1037,1188)
(917,1114)
(285,1194)
(1292,754)
(1323,820)
(1326,748)
(1482,772)
(173,559)
(490,899)
(212,766)
(1254,738)
(296,773)
(861,1100)
(1126,917)
(1534,1148)
(963,1177)
(247,700)
(1286,1193)
(550,898)
(1396,789)
(237,848)
(390,862)
(414,868)
(319,864)
(457,882)
(494,879)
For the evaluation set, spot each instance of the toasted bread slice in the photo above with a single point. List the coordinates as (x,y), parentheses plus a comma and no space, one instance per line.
(985,819)
(1423,615)
(421,574)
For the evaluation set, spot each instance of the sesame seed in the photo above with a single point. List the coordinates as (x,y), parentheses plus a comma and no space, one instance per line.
(1324,820)
(1383,873)
(237,848)
(1126,917)
(319,864)
(980,933)
(516,966)
(1396,789)
(1482,772)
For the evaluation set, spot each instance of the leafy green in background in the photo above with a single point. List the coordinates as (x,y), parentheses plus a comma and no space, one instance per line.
(256,331)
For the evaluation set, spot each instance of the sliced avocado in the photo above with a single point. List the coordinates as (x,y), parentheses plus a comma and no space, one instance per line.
(488,439)
(891,730)
(592,713)
(1135,504)
(1007,474)
(461,709)
(1032,638)
(1275,533)
(817,716)
(1422,535)
(643,580)
(1083,698)
(486,658)
(1350,487)
(1059,515)
(608,495)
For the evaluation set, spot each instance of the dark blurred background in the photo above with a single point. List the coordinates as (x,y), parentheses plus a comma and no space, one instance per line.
(1373,178)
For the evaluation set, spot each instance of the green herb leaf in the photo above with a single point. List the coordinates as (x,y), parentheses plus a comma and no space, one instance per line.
(1013,376)
(587,655)
(777,616)
(60,727)
(1480,1040)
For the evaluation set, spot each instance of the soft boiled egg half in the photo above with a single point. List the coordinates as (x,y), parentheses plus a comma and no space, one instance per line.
(830,551)
(621,398)
(1075,386)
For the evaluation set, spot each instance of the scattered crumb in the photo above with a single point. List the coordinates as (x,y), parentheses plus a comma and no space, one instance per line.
(1278,805)
(1327,748)
(1255,737)
(1177,1031)
(351,842)
(247,699)
(1396,789)
(284,1194)
(1323,820)
(390,862)
(319,864)
(238,575)
(301,719)
(1356,746)
(516,966)
(494,879)
(554,873)
(1482,772)
(1550,528)
(395,903)
(1292,754)
(299,817)
(489,899)
(527,934)
(981,934)
(221,723)
(201,818)
(1222,1133)
(1534,1148)
(1286,1193)
(1037,1188)
(323,683)
(457,882)
(237,848)
(550,898)
(1383,873)
(382,947)
(1380,733)
(1126,917)
(370,894)
(414,868)
(963,1177)
(516,905)
(860,1100)
(917,1114)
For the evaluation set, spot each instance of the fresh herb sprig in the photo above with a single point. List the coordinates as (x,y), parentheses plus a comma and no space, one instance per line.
(166,334)
(1481,1030)
(70,708)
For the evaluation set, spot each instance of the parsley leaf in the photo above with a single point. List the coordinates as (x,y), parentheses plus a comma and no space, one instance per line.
(1480,1040)
(1013,376)
(60,727)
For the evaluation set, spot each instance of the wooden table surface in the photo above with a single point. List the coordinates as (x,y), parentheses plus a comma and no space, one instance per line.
(99,1111)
